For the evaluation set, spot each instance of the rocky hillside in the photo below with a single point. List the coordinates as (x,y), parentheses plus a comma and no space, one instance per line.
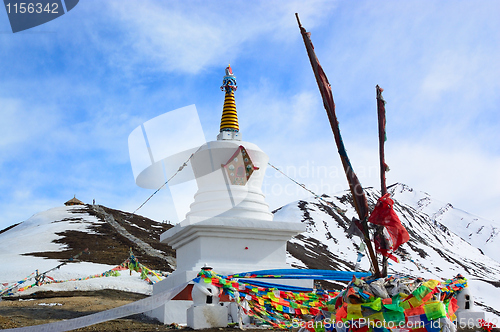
(58,234)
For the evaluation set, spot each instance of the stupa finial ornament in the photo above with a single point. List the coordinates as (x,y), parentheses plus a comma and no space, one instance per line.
(229,121)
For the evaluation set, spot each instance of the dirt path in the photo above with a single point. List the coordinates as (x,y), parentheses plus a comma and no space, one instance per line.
(145,247)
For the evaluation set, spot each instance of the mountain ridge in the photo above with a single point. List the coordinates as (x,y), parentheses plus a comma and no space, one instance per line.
(481,233)
(434,251)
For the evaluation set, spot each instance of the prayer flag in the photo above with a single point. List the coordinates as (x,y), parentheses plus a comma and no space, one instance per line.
(354,311)
(431,283)
(394,316)
(414,311)
(384,215)
(452,306)
(434,310)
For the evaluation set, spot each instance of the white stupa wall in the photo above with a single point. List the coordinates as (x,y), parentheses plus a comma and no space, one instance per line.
(232,245)
(215,197)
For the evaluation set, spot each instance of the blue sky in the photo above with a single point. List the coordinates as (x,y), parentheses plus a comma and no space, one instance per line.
(73,89)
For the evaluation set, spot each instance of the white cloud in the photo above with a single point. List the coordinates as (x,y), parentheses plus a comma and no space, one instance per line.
(189,37)
(270,114)
(22,121)
(444,74)
(466,177)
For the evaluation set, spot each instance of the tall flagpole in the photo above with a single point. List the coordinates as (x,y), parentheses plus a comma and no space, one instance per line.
(358,194)
(383,166)
(381,139)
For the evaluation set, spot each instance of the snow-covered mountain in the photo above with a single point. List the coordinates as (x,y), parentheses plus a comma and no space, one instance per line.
(481,233)
(54,236)
(434,250)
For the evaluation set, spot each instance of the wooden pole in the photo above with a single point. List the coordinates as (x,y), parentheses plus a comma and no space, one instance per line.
(358,194)
(383,166)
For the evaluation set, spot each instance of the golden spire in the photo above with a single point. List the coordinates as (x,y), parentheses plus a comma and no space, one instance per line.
(229,121)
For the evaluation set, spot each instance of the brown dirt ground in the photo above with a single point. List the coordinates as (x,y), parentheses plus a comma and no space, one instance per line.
(35,309)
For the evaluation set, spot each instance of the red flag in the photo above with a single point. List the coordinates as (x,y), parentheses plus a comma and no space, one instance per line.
(384,215)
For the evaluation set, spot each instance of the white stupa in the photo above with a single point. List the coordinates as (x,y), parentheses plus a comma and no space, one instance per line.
(467,313)
(229,225)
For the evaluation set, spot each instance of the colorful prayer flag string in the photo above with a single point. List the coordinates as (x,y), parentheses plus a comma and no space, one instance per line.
(423,302)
